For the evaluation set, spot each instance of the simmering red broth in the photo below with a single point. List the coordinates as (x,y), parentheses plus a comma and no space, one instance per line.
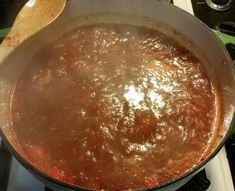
(114,107)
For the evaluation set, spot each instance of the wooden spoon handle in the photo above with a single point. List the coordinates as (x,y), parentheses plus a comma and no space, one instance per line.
(35,15)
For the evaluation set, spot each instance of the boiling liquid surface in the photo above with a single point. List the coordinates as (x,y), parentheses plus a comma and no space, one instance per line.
(114,107)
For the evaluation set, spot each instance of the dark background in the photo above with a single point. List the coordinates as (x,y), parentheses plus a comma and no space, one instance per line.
(8,11)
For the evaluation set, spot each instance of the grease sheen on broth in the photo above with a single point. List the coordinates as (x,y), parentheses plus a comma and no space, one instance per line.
(114,107)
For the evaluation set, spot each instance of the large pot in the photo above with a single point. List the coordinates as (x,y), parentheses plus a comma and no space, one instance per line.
(180,25)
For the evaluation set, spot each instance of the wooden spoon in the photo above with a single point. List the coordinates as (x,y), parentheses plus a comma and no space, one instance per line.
(35,15)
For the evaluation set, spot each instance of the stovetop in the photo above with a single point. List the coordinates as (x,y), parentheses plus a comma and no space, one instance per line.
(211,17)
(216,175)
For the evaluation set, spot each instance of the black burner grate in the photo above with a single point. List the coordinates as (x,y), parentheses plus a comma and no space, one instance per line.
(48,189)
(230,149)
(5,163)
(198,183)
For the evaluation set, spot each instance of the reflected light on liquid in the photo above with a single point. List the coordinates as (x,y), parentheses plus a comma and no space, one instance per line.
(133,96)
(156,99)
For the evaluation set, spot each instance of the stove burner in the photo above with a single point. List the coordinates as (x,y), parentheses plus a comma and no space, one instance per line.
(219,5)
(211,17)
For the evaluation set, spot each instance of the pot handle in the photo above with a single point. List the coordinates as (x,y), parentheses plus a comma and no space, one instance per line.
(35,15)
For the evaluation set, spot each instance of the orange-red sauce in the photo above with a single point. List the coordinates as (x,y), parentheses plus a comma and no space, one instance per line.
(114,107)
